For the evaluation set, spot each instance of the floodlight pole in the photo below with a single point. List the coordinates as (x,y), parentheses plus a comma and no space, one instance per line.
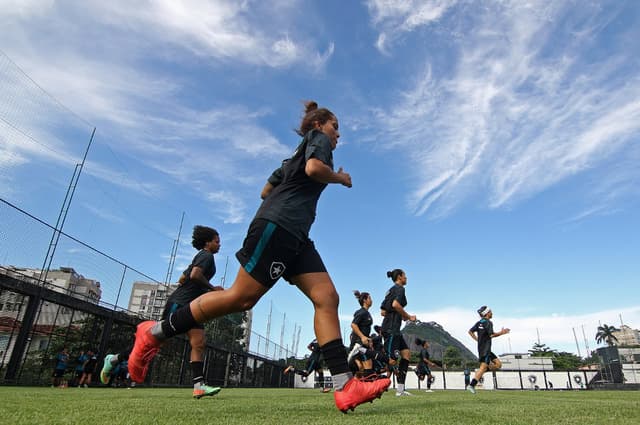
(62,217)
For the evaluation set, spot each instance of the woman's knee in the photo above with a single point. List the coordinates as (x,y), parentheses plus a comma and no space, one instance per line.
(327,299)
(244,301)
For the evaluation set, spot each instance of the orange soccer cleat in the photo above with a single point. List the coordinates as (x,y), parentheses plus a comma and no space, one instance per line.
(144,350)
(356,392)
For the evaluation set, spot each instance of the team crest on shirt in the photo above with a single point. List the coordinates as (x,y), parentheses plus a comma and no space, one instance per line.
(276,270)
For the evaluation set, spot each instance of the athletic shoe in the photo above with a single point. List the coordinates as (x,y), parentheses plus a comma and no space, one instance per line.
(428,391)
(205,390)
(403,394)
(144,350)
(354,352)
(106,369)
(471,389)
(370,378)
(288,369)
(356,392)
(326,390)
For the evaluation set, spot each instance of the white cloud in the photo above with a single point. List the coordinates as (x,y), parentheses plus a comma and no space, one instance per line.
(223,30)
(520,112)
(395,18)
(228,206)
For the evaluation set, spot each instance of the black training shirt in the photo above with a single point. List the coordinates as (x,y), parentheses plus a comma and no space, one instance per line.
(393,320)
(484,329)
(292,203)
(191,290)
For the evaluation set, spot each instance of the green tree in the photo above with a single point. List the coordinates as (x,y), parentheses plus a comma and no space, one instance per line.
(605,334)
(452,358)
(541,350)
(565,361)
(228,332)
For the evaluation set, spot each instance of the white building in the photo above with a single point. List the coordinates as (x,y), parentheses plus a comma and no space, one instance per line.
(12,305)
(65,280)
(524,361)
(149,298)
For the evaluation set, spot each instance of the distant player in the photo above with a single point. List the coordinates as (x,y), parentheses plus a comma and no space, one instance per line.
(482,332)
(314,365)
(423,370)
(193,282)
(88,367)
(61,367)
(392,308)
(360,330)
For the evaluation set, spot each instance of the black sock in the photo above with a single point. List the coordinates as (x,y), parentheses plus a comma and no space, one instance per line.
(197,371)
(474,382)
(335,355)
(179,322)
(402,370)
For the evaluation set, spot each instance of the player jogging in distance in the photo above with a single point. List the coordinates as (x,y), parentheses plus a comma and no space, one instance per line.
(193,282)
(424,367)
(278,245)
(360,331)
(483,332)
(392,308)
(313,365)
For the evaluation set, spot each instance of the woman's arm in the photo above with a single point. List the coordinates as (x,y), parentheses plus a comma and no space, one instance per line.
(322,173)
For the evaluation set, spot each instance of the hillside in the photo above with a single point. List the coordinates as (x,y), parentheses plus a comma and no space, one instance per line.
(438,338)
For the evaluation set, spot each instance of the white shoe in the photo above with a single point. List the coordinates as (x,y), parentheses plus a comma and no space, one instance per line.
(354,352)
(471,389)
(403,394)
(428,391)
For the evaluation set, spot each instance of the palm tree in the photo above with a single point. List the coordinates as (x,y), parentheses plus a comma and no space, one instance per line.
(605,334)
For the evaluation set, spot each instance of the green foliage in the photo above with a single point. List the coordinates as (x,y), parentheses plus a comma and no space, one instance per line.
(565,361)
(452,358)
(561,360)
(75,406)
(541,350)
(228,332)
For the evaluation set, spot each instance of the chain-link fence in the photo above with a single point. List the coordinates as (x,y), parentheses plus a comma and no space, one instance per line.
(57,291)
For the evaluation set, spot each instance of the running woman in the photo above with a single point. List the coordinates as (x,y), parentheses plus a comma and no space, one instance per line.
(482,332)
(88,367)
(392,309)
(313,365)
(193,282)
(360,331)
(278,245)
(424,367)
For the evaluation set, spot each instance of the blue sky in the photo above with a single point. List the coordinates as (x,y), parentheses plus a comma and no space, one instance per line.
(493,147)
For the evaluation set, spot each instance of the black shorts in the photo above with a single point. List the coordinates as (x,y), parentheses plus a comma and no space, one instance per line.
(171,308)
(59,373)
(270,252)
(422,369)
(393,343)
(487,358)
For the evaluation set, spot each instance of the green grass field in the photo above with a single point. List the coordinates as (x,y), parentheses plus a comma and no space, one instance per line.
(95,406)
